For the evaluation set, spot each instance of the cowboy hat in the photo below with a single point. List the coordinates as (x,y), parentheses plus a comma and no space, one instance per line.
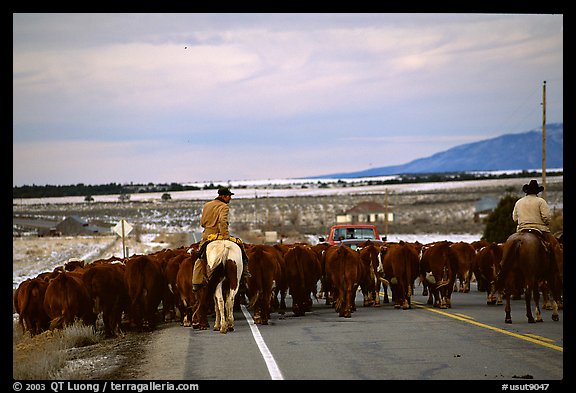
(532,187)
(224,191)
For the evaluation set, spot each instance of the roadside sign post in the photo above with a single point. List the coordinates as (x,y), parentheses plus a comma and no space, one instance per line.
(123,229)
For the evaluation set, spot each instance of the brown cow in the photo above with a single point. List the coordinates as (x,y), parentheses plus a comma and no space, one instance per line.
(486,269)
(265,270)
(438,266)
(369,282)
(302,274)
(107,288)
(169,260)
(29,304)
(465,254)
(478,244)
(146,285)
(188,300)
(67,299)
(400,270)
(546,301)
(170,269)
(320,250)
(282,288)
(343,272)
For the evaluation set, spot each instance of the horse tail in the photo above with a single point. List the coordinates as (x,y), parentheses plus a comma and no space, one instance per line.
(510,255)
(222,255)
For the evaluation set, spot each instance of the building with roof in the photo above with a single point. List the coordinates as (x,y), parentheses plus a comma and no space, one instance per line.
(75,225)
(364,213)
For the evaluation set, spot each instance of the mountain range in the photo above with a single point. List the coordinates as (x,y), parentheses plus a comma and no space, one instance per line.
(522,151)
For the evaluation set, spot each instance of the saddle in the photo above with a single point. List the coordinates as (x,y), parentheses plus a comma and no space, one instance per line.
(535,231)
(217,236)
(547,246)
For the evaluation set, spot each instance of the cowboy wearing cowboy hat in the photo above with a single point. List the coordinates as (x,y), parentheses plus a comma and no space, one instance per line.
(532,213)
(214,220)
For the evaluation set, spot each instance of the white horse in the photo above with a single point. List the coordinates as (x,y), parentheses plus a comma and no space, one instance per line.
(229,255)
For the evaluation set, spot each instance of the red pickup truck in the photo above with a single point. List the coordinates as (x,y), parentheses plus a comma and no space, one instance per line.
(353,234)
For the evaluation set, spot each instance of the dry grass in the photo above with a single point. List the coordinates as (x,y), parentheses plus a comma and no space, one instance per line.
(45,356)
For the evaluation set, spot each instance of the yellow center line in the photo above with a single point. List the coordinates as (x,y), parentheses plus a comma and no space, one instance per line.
(537,337)
(531,338)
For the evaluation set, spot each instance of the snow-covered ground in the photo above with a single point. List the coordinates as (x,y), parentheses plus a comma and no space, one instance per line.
(33,255)
(312,188)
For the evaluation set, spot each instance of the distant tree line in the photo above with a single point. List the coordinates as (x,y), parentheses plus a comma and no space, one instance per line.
(80,189)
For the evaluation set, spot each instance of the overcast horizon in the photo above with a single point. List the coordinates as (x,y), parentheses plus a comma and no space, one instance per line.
(162,98)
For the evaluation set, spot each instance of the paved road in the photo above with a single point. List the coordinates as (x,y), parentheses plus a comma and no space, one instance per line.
(469,341)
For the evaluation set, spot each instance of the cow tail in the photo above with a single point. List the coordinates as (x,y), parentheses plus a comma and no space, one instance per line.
(65,306)
(23,307)
(88,283)
(254,300)
(25,300)
(137,289)
(407,271)
(299,264)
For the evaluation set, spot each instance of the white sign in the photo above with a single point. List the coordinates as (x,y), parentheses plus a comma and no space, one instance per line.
(122,228)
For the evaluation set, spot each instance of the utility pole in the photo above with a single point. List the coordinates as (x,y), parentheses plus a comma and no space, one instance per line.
(255,209)
(386,214)
(544,139)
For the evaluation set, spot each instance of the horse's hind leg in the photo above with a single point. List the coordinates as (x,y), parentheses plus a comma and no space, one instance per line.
(229,315)
(220,321)
(537,311)
(507,308)
(528,298)
(556,300)
(555,316)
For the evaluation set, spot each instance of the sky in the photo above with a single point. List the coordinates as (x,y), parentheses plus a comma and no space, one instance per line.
(161,98)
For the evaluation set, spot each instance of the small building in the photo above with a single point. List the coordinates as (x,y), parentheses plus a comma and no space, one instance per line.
(40,226)
(364,212)
(75,225)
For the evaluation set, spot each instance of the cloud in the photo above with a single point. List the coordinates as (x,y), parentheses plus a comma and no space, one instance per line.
(272,85)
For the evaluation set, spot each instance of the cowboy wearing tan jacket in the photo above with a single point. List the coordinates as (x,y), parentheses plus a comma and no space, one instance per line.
(533,212)
(215,216)
(214,220)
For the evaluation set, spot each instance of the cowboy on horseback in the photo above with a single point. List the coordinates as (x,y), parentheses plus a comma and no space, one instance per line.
(529,255)
(215,223)
(532,214)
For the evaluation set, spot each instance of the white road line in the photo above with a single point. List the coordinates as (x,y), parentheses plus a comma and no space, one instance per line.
(273,369)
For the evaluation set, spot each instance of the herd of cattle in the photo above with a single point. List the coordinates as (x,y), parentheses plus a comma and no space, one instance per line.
(141,290)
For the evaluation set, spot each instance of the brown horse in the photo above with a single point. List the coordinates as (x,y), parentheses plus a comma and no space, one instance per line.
(525,264)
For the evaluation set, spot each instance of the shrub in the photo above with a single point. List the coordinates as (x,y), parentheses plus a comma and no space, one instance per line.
(499,224)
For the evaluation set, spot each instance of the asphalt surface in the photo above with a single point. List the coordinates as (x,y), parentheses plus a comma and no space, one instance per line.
(468,341)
